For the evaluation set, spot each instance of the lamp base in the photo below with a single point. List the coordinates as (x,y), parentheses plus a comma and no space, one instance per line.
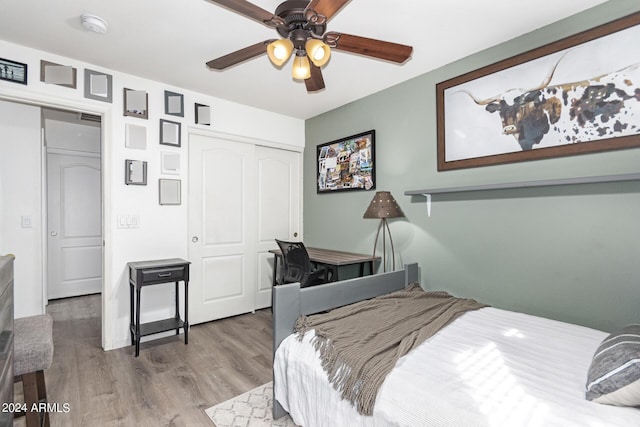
(384,226)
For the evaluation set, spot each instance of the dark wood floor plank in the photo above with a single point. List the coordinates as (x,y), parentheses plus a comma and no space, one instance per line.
(169,384)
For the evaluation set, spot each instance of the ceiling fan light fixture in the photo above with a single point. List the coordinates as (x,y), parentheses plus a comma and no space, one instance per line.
(301,69)
(279,51)
(318,52)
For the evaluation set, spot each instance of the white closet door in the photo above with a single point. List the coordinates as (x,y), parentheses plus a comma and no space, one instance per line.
(278,210)
(222,228)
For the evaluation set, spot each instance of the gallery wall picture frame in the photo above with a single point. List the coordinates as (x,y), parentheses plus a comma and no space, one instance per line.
(173,103)
(347,164)
(135,172)
(170,133)
(57,74)
(580,95)
(169,191)
(136,103)
(98,86)
(13,71)
(169,163)
(135,136)
(203,114)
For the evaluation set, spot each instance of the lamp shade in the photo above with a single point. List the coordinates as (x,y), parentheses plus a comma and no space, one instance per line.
(383,205)
(279,51)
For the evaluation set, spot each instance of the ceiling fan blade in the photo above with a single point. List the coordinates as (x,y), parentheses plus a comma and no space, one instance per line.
(238,56)
(252,11)
(316,81)
(370,47)
(328,8)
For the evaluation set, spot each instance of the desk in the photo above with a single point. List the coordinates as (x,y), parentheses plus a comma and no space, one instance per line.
(145,273)
(331,259)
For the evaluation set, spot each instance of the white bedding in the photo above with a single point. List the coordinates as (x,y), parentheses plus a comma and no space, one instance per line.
(490,367)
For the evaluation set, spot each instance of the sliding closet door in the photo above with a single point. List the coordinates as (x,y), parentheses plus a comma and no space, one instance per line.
(222,228)
(241,198)
(278,210)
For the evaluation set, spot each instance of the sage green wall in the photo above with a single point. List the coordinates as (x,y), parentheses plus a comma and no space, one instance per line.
(568,253)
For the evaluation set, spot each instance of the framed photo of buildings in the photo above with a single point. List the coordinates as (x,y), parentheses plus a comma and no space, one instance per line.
(347,164)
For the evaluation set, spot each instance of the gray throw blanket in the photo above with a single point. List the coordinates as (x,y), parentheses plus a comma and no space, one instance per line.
(359,344)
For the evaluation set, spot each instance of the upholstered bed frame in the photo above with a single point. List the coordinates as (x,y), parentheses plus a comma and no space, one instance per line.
(290,301)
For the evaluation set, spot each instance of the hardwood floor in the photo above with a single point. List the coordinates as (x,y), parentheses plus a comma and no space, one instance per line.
(170,384)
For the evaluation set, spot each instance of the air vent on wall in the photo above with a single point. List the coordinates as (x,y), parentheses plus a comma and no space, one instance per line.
(90,117)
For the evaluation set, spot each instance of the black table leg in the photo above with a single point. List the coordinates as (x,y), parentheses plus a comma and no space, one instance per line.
(131,324)
(139,288)
(177,307)
(186,312)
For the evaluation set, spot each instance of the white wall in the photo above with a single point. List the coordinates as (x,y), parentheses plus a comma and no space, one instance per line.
(163,229)
(21,195)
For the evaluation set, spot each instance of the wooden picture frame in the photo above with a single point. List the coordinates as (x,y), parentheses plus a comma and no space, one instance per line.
(170,133)
(13,71)
(136,103)
(581,96)
(173,103)
(347,164)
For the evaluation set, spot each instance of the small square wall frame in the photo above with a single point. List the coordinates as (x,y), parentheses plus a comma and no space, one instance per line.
(170,133)
(136,103)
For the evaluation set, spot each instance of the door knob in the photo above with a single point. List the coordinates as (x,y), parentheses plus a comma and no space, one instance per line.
(54,233)
(295,234)
(194,239)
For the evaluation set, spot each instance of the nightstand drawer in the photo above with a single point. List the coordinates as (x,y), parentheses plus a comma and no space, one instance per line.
(163,275)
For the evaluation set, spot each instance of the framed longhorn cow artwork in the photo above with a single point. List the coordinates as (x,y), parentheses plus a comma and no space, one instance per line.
(578,95)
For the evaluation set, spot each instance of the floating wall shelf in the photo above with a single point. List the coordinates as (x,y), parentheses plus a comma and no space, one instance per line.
(526,184)
(523,184)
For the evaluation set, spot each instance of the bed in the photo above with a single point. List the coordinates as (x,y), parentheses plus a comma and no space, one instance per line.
(489,367)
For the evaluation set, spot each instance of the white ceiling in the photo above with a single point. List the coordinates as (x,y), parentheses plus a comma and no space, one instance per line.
(170,41)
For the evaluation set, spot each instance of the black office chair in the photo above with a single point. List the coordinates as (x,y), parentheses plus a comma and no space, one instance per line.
(297,265)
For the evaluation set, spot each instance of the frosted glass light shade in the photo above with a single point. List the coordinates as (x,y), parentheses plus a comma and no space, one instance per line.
(318,52)
(301,68)
(279,51)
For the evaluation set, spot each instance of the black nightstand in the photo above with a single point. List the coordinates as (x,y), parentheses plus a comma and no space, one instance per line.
(145,273)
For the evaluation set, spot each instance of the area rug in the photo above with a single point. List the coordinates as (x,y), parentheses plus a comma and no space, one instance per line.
(251,409)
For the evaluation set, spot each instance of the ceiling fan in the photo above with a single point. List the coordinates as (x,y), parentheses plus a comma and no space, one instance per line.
(302,26)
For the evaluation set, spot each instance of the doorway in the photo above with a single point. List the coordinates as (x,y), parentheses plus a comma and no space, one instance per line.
(73,203)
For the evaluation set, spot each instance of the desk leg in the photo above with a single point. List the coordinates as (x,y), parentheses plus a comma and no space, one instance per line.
(139,288)
(186,312)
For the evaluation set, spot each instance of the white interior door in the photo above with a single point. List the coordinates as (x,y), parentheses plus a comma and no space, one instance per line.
(74,249)
(278,210)
(222,228)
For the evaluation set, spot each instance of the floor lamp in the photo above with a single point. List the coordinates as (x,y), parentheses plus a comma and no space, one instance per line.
(384,206)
